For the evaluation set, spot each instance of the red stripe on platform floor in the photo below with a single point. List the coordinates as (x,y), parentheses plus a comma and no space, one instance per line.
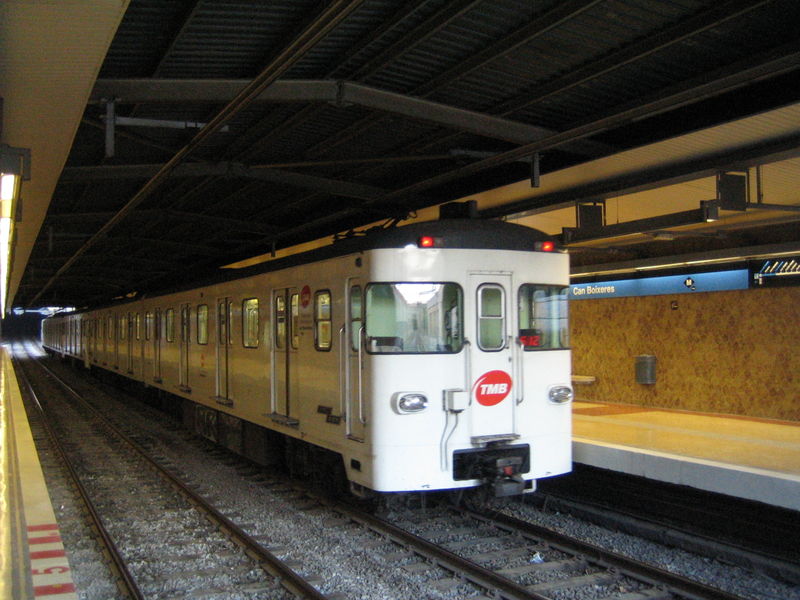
(45,527)
(39,554)
(45,540)
(52,590)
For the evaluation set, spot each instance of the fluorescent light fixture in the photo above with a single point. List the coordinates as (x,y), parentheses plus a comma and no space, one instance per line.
(8,186)
(15,166)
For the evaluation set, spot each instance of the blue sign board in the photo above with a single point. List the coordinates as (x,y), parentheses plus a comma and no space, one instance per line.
(671,284)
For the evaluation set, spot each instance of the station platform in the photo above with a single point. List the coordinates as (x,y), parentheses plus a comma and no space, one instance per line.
(756,459)
(33,563)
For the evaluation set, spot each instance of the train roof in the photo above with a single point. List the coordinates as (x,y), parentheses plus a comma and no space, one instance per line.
(447,233)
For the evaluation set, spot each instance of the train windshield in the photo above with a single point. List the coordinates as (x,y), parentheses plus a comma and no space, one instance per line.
(414,318)
(543,317)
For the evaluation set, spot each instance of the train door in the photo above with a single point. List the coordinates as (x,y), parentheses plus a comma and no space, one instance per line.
(286,341)
(492,357)
(147,347)
(353,357)
(86,341)
(183,366)
(157,335)
(223,347)
(129,327)
(114,335)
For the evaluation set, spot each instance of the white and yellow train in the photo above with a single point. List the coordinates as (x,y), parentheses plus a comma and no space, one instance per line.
(426,357)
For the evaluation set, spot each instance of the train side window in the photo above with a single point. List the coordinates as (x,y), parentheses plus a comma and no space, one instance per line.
(202,324)
(138,326)
(250,323)
(110,327)
(543,323)
(356,312)
(295,324)
(169,324)
(491,317)
(230,323)
(280,322)
(148,325)
(322,320)
(123,327)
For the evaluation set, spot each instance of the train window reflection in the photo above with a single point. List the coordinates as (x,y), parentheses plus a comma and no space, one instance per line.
(543,323)
(202,324)
(280,322)
(491,317)
(414,318)
(169,324)
(250,326)
(294,325)
(322,320)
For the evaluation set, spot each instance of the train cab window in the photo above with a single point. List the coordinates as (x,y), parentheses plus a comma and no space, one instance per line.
(355,317)
(250,323)
(280,322)
(322,320)
(543,323)
(414,318)
(491,317)
(148,325)
(202,324)
(169,324)
(294,301)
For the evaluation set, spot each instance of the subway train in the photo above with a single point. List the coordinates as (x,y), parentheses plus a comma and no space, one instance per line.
(431,356)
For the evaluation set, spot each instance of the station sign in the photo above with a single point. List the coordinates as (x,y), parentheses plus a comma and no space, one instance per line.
(718,281)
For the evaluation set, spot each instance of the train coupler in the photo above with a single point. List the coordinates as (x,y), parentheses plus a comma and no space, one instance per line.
(508,481)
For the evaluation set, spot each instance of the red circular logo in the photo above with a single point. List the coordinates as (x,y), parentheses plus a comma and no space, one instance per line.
(492,387)
(305,296)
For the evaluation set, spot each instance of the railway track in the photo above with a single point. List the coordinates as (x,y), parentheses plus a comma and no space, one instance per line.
(164,540)
(515,559)
(436,552)
(742,532)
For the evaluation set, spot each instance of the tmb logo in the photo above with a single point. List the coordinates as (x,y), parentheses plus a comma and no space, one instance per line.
(492,387)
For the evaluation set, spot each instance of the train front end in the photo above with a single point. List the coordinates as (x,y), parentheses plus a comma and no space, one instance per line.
(463,360)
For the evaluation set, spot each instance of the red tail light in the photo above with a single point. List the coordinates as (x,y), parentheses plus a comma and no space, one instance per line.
(426,241)
(547,246)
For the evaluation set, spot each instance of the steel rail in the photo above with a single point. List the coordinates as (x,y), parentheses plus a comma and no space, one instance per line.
(461,567)
(635,569)
(270,563)
(125,582)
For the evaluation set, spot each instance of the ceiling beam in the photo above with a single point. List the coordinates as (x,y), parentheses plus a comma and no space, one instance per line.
(226,169)
(338,93)
(772,63)
(227,222)
(631,53)
(331,15)
(738,159)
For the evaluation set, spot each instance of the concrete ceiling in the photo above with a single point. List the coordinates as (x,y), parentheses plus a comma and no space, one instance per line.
(49,60)
(466,130)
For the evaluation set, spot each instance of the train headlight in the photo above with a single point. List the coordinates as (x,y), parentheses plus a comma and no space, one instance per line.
(409,402)
(560,394)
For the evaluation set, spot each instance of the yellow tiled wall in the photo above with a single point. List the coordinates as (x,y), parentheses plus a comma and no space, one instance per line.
(732,352)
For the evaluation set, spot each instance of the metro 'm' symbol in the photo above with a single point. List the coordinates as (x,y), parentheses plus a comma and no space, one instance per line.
(492,387)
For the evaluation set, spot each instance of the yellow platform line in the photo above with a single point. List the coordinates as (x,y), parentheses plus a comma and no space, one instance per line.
(33,563)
